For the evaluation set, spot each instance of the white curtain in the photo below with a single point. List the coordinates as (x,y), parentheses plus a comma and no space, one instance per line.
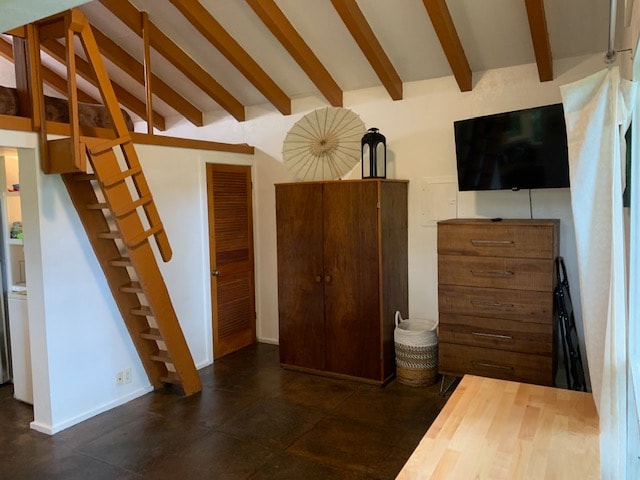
(597,112)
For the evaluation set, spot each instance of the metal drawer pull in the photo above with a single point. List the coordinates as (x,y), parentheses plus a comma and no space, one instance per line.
(491,304)
(492,273)
(492,243)
(491,365)
(492,335)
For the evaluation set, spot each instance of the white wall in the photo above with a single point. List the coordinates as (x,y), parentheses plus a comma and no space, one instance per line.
(78,338)
(419,132)
(177,179)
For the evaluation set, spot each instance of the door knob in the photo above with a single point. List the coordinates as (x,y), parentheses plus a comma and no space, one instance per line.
(327,279)
(215,272)
(318,278)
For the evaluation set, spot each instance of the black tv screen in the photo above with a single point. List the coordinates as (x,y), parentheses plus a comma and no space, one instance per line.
(514,150)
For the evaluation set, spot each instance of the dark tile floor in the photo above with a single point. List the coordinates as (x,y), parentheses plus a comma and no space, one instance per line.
(252,420)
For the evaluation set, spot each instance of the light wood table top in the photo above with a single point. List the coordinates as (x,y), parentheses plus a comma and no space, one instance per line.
(495,429)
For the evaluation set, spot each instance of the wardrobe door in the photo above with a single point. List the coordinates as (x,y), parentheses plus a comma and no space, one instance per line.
(351,284)
(300,275)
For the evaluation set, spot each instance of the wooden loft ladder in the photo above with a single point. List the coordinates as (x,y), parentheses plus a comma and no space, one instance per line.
(114,203)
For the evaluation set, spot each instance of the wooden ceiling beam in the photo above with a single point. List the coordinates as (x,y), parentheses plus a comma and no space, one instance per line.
(450,42)
(51,78)
(281,28)
(362,33)
(146,67)
(130,16)
(540,38)
(209,27)
(57,51)
(128,64)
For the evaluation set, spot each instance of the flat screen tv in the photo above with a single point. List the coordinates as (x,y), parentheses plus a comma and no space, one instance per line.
(515,150)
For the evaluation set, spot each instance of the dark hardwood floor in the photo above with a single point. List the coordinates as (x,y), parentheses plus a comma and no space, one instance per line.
(252,420)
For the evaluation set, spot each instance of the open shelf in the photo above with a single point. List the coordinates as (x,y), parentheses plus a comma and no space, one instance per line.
(11,212)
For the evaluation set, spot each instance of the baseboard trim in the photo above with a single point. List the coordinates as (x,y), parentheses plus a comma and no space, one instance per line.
(271,341)
(40,427)
(204,364)
(53,429)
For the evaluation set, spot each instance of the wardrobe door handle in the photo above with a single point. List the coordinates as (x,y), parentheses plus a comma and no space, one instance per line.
(318,278)
(327,279)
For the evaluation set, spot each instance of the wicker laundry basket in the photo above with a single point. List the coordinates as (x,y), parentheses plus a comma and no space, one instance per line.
(416,343)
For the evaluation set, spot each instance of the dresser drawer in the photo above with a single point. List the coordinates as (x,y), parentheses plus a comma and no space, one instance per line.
(496,272)
(498,239)
(486,362)
(526,306)
(485,332)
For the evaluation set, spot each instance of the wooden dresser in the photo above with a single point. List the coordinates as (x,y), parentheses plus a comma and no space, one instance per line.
(495,296)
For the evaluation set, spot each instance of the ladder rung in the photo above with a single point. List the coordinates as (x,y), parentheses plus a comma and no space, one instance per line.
(151,334)
(110,235)
(97,206)
(170,377)
(121,176)
(142,311)
(121,262)
(107,145)
(132,207)
(161,356)
(138,239)
(131,287)
(84,177)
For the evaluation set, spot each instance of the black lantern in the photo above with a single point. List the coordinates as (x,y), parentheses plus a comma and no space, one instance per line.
(374,154)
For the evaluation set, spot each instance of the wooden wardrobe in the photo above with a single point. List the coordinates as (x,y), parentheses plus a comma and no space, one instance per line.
(342,274)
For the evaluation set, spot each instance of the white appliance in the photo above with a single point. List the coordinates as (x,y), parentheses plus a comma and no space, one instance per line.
(20,348)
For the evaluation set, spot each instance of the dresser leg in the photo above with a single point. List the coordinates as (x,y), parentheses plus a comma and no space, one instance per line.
(443,390)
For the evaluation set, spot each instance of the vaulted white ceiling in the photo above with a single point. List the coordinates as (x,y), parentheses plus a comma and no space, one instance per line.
(492,34)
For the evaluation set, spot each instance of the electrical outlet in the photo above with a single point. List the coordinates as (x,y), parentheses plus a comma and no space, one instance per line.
(124,376)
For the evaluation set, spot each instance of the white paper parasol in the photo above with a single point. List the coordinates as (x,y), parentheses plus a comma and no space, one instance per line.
(324,144)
